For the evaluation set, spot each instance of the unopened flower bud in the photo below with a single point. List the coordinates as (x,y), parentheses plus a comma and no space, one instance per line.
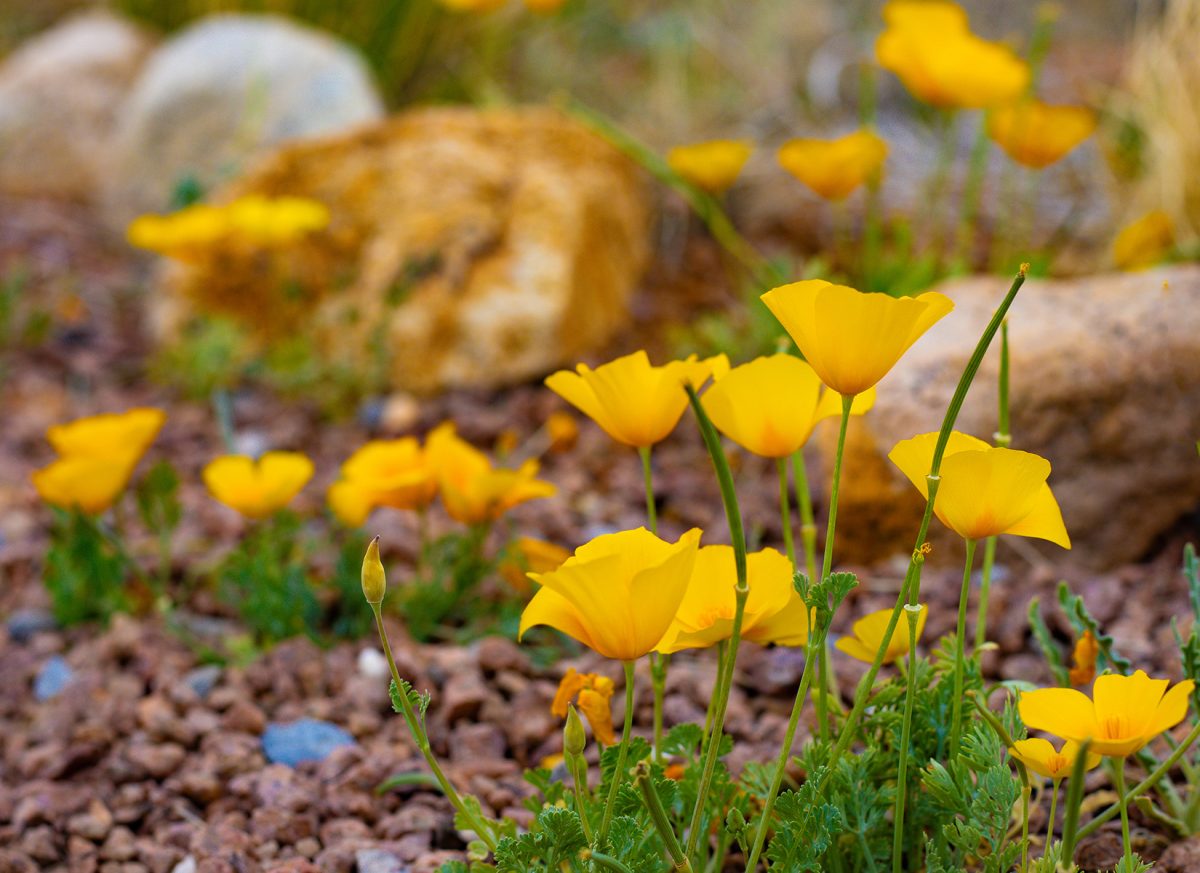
(374,581)
(735,822)
(574,739)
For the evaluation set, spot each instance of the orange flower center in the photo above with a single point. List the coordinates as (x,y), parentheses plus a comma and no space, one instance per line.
(1057,763)
(1115,727)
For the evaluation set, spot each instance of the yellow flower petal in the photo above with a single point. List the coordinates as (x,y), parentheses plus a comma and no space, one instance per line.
(712,166)
(1145,242)
(89,484)
(1172,709)
(1062,711)
(834,168)
(572,683)
(868,634)
(122,435)
(1037,134)
(258,488)
(768,406)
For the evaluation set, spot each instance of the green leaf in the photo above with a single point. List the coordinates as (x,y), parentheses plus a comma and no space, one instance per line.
(683,740)
(1077,613)
(419,702)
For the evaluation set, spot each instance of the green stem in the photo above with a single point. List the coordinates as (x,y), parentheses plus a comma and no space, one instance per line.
(827,563)
(785,510)
(658,816)
(1002,438)
(725,680)
(658,663)
(579,777)
(913,615)
(985,588)
(622,754)
(609,863)
(1025,792)
(964,383)
(972,189)
(808,526)
(648,478)
(1053,811)
(1074,801)
(785,753)
(422,740)
(223,410)
(960,657)
(1123,803)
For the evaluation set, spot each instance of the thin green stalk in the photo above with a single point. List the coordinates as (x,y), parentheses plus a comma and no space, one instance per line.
(964,383)
(422,740)
(579,777)
(960,655)
(1053,811)
(658,663)
(1002,438)
(785,753)
(622,754)
(725,680)
(972,191)
(808,526)
(1074,801)
(913,615)
(1146,784)
(648,478)
(1123,803)
(1025,792)
(608,862)
(985,590)
(658,816)
(223,410)
(827,563)
(785,510)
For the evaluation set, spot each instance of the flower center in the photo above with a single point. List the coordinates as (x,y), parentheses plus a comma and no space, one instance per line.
(1115,727)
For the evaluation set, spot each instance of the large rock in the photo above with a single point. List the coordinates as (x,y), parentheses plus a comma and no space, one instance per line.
(466,248)
(221,93)
(59,97)
(1105,384)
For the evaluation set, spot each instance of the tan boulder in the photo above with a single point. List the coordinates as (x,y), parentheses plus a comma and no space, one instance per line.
(466,248)
(1105,384)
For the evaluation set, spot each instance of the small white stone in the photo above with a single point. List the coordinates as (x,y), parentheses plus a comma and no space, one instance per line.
(372,664)
(187,865)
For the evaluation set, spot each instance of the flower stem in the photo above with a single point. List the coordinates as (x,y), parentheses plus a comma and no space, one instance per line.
(1002,438)
(658,663)
(658,816)
(579,777)
(422,739)
(622,754)
(1123,802)
(609,863)
(972,189)
(985,588)
(1053,811)
(846,737)
(913,616)
(785,511)
(648,478)
(785,753)
(960,657)
(808,527)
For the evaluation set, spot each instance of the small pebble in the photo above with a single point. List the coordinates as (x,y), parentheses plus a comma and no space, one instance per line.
(23,624)
(304,740)
(372,663)
(202,679)
(54,676)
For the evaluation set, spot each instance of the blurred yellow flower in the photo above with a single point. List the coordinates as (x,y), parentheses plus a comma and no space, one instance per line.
(929,46)
(774,612)
(1145,242)
(593,695)
(1037,134)
(473,5)
(1122,715)
(1041,757)
(392,473)
(563,431)
(635,403)
(850,338)
(97,457)
(257,488)
(712,166)
(531,555)
(834,168)
(868,634)
(618,594)
(985,491)
(251,222)
(472,490)
(1083,659)
(771,405)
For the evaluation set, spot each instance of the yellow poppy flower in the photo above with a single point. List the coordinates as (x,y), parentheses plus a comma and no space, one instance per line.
(834,168)
(531,556)
(932,51)
(392,473)
(850,338)
(112,435)
(618,594)
(254,221)
(1042,758)
(711,166)
(985,491)
(771,405)
(473,5)
(472,490)
(867,634)
(88,484)
(1123,714)
(1145,242)
(593,695)
(562,431)
(1083,659)
(257,488)
(1037,134)
(774,612)
(635,403)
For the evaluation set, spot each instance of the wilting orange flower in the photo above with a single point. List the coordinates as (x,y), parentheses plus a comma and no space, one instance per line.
(593,695)
(1042,758)
(1037,134)
(867,635)
(985,491)
(258,488)
(930,47)
(1145,242)
(97,457)
(392,473)
(1122,715)
(850,338)
(637,404)
(530,555)
(774,612)
(472,490)
(712,166)
(834,168)
(617,594)
(1083,656)
(771,405)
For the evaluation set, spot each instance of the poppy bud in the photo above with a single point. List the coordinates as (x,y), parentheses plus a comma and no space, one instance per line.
(374,581)
(574,739)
